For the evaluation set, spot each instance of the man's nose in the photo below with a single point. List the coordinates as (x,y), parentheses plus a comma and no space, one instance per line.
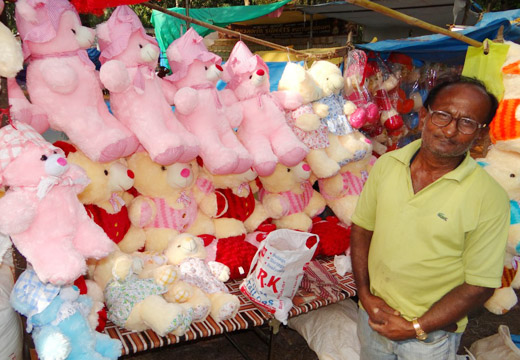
(451,130)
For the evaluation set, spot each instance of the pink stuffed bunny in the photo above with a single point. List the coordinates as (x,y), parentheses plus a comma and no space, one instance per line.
(62,80)
(206,112)
(41,211)
(129,58)
(264,130)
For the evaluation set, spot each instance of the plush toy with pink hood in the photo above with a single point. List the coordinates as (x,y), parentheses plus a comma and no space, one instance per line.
(264,130)
(41,211)
(206,112)
(138,97)
(62,80)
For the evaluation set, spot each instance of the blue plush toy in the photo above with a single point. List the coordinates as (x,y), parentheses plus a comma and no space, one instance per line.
(57,317)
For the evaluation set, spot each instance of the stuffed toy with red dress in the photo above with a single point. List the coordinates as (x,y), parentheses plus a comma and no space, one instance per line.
(41,211)
(63,81)
(138,97)
(106,198)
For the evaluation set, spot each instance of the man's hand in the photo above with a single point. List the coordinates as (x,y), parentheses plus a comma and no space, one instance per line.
(376,308)
(392,326)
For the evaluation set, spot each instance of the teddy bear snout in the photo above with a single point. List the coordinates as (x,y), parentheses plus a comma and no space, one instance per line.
(56,165)
(214,72)
(258,77)
(185,173)
(150,53)
(85,36)
(302,171)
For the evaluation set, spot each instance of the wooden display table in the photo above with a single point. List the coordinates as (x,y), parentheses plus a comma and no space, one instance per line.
(249,316)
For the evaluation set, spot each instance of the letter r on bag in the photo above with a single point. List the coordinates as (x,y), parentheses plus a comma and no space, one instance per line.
(262,274)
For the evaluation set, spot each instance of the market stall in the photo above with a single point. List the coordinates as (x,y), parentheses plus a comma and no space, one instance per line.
(169,214)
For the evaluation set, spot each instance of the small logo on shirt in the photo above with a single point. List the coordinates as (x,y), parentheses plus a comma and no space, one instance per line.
(442,216)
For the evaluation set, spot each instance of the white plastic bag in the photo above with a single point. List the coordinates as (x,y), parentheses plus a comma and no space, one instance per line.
(277,270)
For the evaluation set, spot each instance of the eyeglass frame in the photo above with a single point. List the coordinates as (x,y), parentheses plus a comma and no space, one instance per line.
(432,112)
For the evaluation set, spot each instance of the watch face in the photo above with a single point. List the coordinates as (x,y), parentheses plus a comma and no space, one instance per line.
(422,336)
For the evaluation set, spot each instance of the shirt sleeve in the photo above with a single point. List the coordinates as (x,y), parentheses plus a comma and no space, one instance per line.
(365,212)
(484,252)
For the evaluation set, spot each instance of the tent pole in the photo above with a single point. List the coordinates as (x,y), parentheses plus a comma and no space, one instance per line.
(310,31)
(337,53)
(413,21)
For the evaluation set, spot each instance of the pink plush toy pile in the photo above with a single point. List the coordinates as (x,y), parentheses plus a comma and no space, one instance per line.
(62,80)
(41,211)
(264,130)
(138,97)
(206,112)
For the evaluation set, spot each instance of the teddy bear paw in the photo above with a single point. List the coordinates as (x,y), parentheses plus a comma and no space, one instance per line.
(166,276)
(181,296)
(227,311)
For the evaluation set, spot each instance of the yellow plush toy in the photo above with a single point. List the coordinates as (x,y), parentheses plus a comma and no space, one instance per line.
(335,111)
(324,155)
(188,253)
(289,198)
(173,199)
(137,303)
(341,191)
(105,197)
(501,165)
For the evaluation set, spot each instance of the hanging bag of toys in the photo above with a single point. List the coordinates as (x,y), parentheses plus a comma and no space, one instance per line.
(277,270)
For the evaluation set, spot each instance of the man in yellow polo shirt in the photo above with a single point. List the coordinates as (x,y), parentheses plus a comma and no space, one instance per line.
(429,234)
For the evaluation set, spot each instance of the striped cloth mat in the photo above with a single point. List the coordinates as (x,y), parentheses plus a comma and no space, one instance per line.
(321,286)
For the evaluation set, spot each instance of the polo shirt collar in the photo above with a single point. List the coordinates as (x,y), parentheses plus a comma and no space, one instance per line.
(405,154)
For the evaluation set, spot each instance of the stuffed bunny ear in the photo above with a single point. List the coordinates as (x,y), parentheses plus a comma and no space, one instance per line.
(27,9)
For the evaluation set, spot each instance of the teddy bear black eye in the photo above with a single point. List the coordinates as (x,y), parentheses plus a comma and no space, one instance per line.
(163,168)
(250,76)
(512,175)
(205,68)
(54,152)
(140,46)
(74,31)
(43,158)
(106,172)
(288,170)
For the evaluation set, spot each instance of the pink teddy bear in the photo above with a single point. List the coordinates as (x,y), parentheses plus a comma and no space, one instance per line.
(206,112)
(63,81)
(138,97)
(264,130)
(41,211)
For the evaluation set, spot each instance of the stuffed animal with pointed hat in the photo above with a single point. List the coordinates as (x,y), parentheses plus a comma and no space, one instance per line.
(62,80)
(206,112)
(137,95)
(264,130)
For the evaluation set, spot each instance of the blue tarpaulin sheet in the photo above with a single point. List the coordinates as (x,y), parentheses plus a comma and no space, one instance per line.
(445,49)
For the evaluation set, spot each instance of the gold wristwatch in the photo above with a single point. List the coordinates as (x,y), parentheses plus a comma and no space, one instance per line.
(419,333)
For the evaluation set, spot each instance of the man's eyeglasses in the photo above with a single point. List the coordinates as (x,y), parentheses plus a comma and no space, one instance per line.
(465,125)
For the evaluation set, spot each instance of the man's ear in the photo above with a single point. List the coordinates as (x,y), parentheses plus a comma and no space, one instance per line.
(423,113)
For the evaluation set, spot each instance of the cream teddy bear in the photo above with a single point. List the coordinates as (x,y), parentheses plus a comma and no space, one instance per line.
(289,198)
(173,199)
(188,253)
(136,303)
(11,58)
(503,167)
(341,191)
(105,198)
(306,124)
(334,111)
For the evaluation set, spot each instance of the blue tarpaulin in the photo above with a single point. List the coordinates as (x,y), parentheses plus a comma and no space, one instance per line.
(444,49)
